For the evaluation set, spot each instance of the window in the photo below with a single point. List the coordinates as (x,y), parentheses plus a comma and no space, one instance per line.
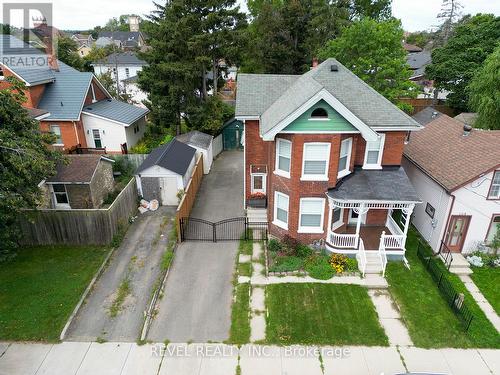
(1,74)
(281,210)
(373,154)
(430,210)
(319,113)
(56,130)
(494,228)
(127,72)
(60,195)
(495,186)
(283,157)
(345,157)
(337,215)
(315,163)
(258,183)
(311,215)
(97,138)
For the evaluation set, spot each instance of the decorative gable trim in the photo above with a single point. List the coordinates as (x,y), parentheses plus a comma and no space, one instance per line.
(368,133)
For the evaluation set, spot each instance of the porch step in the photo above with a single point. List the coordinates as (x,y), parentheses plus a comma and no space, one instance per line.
(459,265)
(373,265)
(257,215)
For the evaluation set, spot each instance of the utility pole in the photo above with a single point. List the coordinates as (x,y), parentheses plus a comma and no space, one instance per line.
(115,61)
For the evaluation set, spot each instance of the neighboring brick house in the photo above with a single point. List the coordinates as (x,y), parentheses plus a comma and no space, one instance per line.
(63,92)
(84,182)
(326,149)
(456,171)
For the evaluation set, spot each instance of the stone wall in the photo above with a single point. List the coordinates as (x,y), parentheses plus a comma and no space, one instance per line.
(102,183)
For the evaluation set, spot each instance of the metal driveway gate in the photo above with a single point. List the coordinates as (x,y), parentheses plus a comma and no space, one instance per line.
(233,229)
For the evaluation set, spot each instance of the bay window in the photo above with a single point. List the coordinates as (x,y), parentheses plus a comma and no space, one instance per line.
(283,157)
(315,161)
(373,153)
(311,215)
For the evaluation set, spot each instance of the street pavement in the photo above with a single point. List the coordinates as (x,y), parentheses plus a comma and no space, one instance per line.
(196,306)
(82,358)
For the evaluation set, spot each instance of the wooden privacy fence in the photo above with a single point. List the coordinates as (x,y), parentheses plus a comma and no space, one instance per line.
(422,103)
(80,226)
(187,201)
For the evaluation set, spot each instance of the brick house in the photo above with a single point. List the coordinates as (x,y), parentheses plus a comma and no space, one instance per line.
(84,182)
(65,95)
(326,150)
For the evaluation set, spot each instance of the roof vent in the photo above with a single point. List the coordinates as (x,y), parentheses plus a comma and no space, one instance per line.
(334,68)
(109,100)
(434,114)
(467,130)
(62,105)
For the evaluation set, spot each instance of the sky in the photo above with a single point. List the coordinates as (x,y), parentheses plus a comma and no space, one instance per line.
(85,14)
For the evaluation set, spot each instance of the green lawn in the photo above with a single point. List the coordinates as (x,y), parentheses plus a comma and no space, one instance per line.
(240,315)
(40,287)
(430,321)
(321,314)
(488,281)
(245,269)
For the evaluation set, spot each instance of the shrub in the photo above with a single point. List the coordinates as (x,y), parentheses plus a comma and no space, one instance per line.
(287,264)
(338,262)
(303,251)
(351,265)
(274,246)
(290,245)
(317,267)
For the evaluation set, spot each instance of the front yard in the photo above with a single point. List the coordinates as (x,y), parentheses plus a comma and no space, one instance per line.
(430,321)
(40,287)
(487,280)
(321,314)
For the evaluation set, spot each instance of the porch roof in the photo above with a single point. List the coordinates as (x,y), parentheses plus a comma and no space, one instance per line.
(390,184)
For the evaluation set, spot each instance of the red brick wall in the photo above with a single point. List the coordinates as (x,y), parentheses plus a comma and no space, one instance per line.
(70,137)
(99,93)
(258,151)
(33,93)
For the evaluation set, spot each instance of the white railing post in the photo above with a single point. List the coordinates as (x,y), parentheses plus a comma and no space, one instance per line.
(381,252)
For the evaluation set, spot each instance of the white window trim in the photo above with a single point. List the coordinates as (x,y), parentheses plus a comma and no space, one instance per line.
(264,183)
(60,205)
(347,170)
(490,196)
(312,229)
(278,171)
(315,177)
(60,133)
(276,221)
(340,222)
(380,155)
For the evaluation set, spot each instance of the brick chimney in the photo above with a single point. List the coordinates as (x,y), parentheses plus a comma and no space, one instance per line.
(51,55)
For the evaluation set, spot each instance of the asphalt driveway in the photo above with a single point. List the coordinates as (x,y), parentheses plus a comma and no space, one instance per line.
(198,293)
(137,259)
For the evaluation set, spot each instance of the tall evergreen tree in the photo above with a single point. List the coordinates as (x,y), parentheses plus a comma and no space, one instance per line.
(450,13)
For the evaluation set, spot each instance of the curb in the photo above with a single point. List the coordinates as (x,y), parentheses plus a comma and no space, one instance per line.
(149,313)
(85,294)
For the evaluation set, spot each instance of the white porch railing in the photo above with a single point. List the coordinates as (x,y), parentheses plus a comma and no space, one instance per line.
(342,240)
(382,254)
(393,226)
(361,257)
(392,241)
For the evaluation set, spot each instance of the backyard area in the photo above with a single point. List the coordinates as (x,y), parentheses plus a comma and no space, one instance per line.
(40,287)
(321,314)
(430,321)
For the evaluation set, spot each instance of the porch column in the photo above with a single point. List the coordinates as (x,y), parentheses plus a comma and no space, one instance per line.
(330,209)
(361,211)
(408,211)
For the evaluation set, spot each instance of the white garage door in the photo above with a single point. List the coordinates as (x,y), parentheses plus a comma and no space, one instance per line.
(168,186)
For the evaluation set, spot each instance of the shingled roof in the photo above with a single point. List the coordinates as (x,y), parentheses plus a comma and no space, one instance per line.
(117,111)
(174,156)
(274,97)
(79,170)
(449,157)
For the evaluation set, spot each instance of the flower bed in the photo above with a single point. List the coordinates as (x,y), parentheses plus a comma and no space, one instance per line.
(289,257)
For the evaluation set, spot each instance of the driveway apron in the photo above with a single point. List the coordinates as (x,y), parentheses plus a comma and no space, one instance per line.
(198,293)
(138,260)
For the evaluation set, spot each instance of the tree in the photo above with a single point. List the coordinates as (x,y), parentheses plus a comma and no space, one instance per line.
(210,117)
(454,64)
(372,50)
(419,38)
(67,53)
(285,36)
(484,92)
(379,10)
(109,84)
(25,160)
(450,13)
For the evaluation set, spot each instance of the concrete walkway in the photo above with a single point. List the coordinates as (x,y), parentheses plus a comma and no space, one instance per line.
(84,358)
(481,301)
(369,281)
(389,317)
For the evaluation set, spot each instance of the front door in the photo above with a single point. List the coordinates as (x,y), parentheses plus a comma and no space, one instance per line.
(97,138)
(457,231)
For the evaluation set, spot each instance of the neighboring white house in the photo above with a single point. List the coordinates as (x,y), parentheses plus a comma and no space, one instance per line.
(165,172)
(112,124)
(202,142)
(456,172)
(123,68)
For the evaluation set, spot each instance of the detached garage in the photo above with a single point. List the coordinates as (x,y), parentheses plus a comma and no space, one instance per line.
(166,170)
(202,142)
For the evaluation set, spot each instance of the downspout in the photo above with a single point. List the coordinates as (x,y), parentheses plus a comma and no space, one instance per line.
(76,132)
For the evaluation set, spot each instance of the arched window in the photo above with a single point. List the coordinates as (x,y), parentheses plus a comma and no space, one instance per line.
(319,113)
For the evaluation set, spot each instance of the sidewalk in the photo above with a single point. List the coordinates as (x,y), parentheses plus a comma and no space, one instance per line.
(76,358)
